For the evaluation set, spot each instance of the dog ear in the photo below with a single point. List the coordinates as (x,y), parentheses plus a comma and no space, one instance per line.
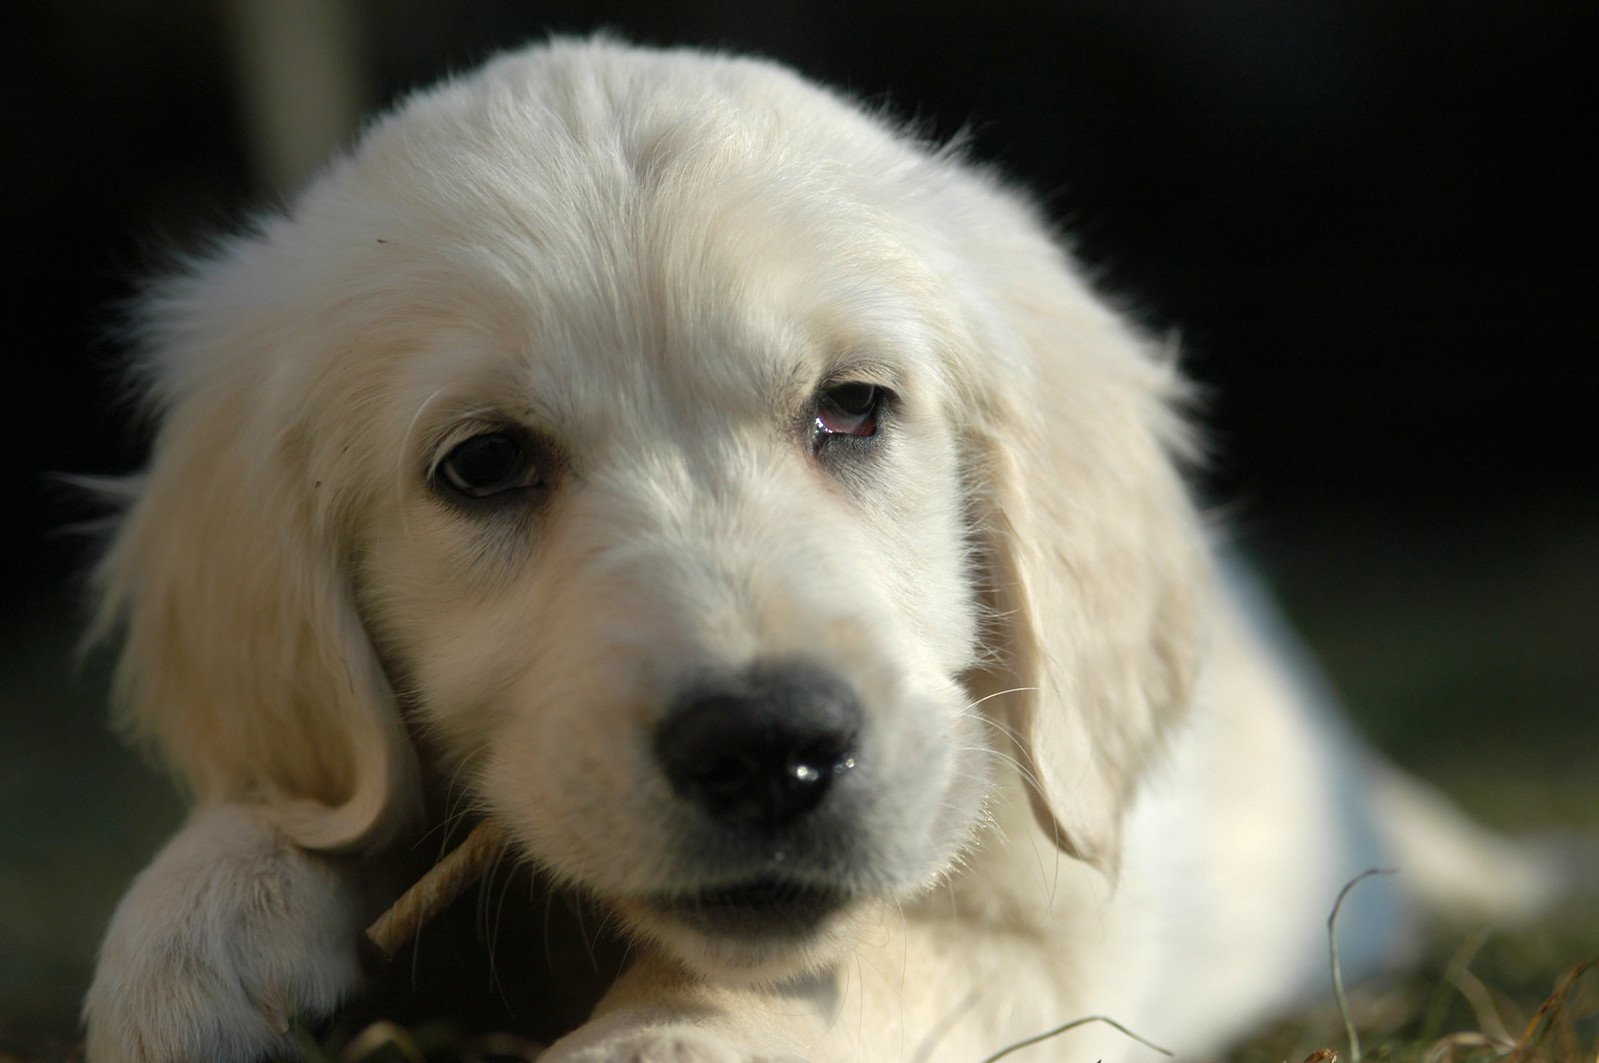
(243,660)
(1094,563)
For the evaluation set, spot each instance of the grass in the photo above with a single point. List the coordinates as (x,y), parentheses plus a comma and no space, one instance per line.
(1467,1008)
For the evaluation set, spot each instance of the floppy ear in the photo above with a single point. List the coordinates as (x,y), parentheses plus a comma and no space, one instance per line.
(1094,564)
(243,662)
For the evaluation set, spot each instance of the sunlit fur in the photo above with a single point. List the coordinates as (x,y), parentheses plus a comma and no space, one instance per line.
(653,261)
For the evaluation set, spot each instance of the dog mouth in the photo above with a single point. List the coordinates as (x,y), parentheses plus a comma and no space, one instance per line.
(767,906)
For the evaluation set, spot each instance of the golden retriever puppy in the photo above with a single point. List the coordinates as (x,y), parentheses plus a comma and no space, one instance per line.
(754,511)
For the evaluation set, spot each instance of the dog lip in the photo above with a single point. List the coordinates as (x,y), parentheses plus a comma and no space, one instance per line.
(766,906)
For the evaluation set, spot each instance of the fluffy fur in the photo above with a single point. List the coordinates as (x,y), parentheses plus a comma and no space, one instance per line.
(1082,785)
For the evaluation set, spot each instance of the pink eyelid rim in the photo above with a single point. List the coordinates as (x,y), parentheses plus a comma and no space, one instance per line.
(839,423)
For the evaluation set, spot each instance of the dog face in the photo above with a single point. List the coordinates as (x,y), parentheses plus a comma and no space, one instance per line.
(686,455)
(625,494)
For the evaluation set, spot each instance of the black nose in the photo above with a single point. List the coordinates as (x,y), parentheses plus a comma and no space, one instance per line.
(760,749)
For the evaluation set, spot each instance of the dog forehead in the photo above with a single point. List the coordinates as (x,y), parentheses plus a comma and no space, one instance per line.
(560,143)
(663,351)
(606,239)
(619,249)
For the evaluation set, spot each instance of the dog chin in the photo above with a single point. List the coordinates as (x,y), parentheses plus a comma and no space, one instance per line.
(755,933)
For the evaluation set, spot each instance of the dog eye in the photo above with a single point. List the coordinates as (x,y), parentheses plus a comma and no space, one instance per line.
(847,409)
(488,464)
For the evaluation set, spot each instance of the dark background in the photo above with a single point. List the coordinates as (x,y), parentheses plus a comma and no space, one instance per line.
(1369,222)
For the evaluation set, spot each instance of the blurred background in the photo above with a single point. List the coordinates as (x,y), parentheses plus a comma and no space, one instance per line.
(1368,222)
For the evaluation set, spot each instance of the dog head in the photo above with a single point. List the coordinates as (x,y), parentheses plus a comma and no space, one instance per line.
(726,485)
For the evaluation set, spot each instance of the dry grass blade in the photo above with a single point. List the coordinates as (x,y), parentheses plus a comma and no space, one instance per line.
(1432,1022)
(444,882)
(1548,1012)
(1446,1048)
(1483,1007)
(1337,970)
(1063,1027)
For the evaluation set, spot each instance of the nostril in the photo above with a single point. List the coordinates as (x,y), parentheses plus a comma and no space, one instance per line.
(725,776)
(763,748)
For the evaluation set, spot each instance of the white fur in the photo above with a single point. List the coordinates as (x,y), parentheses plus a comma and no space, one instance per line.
(1090,789)
(232,928)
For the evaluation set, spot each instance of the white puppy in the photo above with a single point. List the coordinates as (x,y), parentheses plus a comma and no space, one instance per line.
(758,514)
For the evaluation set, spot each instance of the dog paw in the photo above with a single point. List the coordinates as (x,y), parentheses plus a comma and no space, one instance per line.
(229,933)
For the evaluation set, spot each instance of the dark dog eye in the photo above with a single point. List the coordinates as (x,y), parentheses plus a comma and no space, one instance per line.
(489,464)
(847,409)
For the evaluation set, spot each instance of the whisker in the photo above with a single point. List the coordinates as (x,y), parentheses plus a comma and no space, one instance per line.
(1002,693)
(494,937)
(583,934)
(549,904)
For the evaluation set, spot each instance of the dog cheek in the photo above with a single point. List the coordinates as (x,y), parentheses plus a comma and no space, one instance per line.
(941,769)
(568,798)
(922,550)
(567,769)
